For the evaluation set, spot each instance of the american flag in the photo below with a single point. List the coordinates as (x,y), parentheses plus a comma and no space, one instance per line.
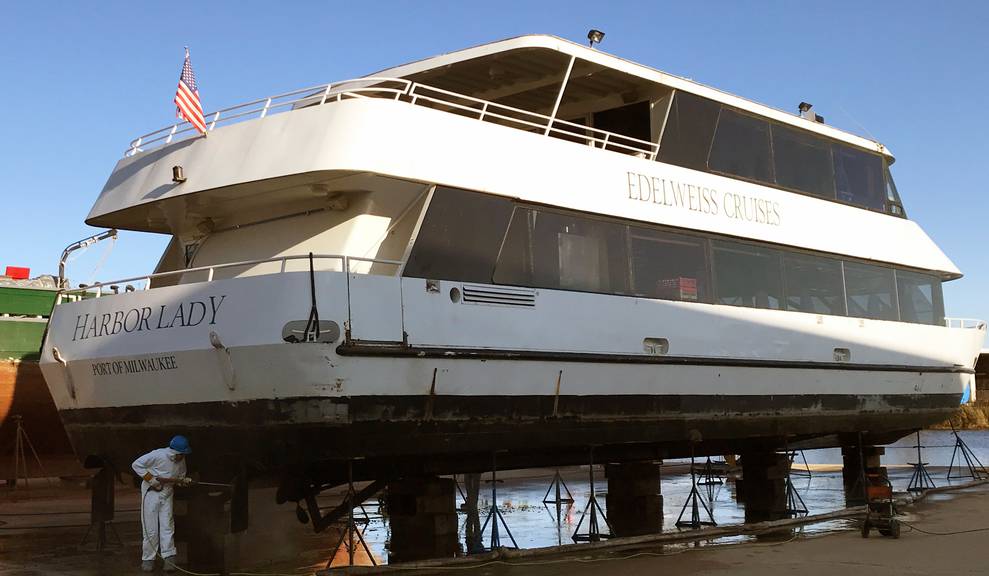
(187,97)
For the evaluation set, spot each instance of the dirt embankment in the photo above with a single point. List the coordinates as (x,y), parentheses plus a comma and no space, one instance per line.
(973,416)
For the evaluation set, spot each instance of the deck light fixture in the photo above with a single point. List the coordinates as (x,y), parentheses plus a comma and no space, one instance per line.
(595,37)
(178,174)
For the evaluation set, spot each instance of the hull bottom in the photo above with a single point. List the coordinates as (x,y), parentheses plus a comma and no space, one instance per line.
(414,435)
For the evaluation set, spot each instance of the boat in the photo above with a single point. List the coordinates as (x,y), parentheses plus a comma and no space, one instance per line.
(526,248)
(25,402)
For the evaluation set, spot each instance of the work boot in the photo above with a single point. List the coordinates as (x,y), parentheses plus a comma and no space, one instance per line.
(147,566)
(169,564)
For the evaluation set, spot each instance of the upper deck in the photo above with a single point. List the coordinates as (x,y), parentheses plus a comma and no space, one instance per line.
(442,120)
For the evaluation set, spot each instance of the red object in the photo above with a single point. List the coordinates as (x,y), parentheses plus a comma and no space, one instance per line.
(18,273)
(679,288)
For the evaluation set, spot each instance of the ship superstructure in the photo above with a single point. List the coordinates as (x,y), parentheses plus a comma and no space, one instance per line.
(528,247)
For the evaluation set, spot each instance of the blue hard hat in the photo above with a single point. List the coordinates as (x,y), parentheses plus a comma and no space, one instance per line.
(181,445)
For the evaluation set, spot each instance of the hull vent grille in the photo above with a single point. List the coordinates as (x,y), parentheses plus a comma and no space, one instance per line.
(499,296)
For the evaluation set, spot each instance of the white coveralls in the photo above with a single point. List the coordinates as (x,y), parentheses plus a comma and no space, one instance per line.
(156,518)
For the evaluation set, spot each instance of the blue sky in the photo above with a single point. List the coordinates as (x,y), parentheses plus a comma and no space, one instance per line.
(82,79)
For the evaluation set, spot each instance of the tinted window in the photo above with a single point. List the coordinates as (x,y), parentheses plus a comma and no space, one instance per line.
(813,284)
(631,120)
(688,131)
(554,250)
(741,147)
(920,298)
(895,206)
(870,291)
(803,162)
(747,275)
(858,177)
(668,266)
(459,237)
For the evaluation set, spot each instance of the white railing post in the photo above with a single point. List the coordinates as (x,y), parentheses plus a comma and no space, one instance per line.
(264,111)
(559,95)
(209,274)
(171,133)
(326,93)
(484,110)
(216,117)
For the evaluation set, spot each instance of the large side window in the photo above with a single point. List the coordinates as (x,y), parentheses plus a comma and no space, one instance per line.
(871,291)
(858,177)
(741,147)
(667,265)
(689,130)
(459,237)
(814,284)
(920,298)
(747,275)
(553,250)
(802,161)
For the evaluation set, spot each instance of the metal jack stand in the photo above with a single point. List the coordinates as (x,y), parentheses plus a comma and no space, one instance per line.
(793,457)
(102,511)
(494,515)
(594,533)
(460,489)
(351,528)
(21,440)
(696,503)
(794,503)
(556,485)
(921,480)
(709,476)
(975,468)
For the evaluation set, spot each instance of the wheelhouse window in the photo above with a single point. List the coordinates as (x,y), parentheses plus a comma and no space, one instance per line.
(870,291)
(553,250)
(668,266)
(460,236)
(920,298)
(813,284)
(858,177)
(741,147)
(747,275)
(802,162)
(893,203)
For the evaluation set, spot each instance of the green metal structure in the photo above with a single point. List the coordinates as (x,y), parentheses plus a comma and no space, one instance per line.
(24,316)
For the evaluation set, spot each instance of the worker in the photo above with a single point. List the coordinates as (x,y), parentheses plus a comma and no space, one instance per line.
(160,471)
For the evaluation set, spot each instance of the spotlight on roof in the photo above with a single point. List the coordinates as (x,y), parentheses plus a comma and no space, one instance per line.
(595,36)
(806,112)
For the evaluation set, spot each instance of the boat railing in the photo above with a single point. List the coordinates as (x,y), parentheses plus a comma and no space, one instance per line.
(966,323)
(97,290)
(406,91)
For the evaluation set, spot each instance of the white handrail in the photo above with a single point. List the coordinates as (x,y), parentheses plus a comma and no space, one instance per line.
(965,323)
(345,262)
(399,89)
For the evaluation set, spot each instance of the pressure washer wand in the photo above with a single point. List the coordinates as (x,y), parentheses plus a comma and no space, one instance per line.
(216,484)
(190,482)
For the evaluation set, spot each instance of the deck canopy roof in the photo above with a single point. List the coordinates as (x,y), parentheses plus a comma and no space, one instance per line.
(526,72)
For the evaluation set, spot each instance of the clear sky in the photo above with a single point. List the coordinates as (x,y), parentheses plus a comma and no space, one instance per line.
(83,78)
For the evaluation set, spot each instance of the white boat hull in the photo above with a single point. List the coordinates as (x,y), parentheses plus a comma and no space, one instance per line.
(418,371)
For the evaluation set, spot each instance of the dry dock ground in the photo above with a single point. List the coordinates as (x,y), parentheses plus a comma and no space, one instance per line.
(956,526)
(951,532)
